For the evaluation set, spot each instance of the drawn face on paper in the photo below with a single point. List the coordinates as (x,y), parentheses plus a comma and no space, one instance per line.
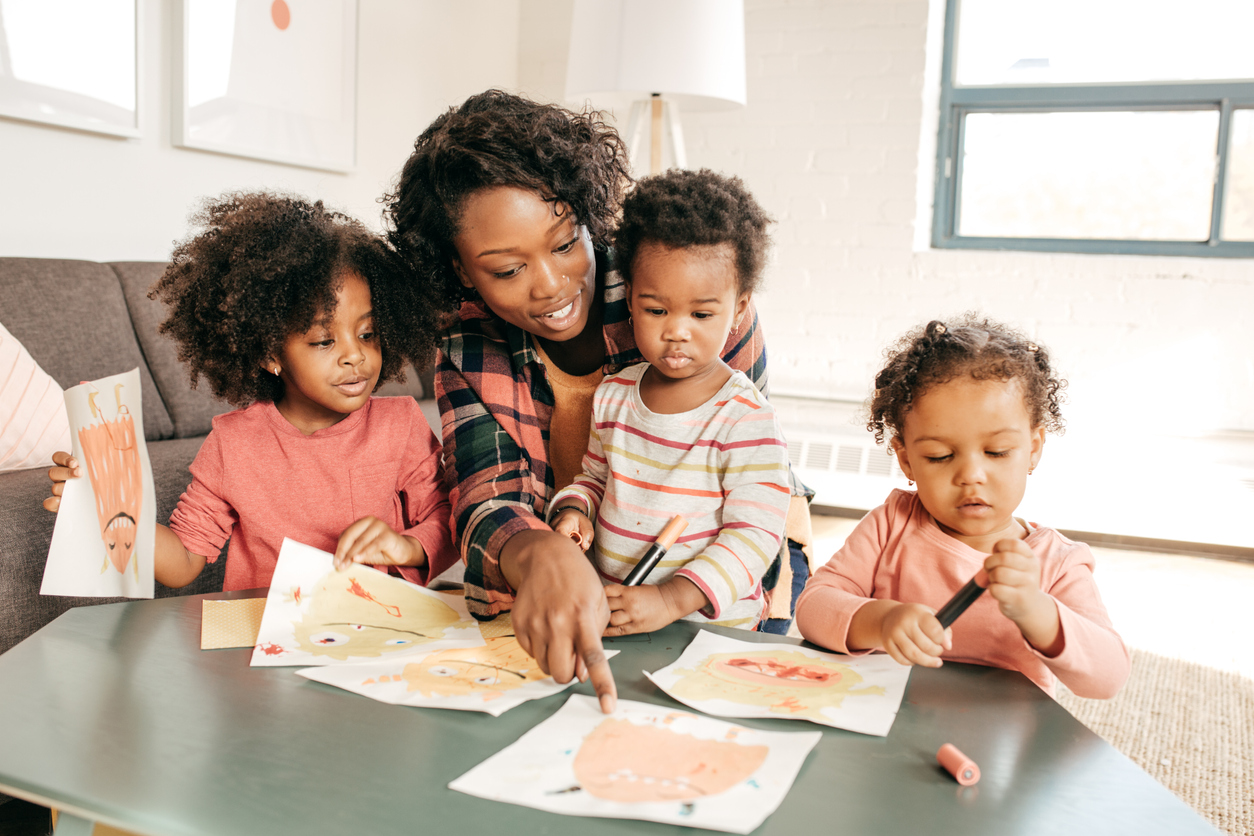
(788,682)
(111,454)
(363,612)
(501,665)
(630,763)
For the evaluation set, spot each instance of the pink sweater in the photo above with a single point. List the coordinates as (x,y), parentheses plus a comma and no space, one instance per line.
(258,479)
(898,552)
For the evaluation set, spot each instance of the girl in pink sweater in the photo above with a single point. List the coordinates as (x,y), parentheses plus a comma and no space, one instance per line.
(295,314)
(966,406)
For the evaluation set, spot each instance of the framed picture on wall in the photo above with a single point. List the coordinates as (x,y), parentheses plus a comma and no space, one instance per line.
(72,63)
(273,80)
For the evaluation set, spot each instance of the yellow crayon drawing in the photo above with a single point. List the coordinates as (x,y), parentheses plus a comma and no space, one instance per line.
(631,763)
(116,474)
(365,613)
(785,681)
(500,665)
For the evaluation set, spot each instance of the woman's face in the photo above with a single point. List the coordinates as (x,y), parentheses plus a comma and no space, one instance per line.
(529,260)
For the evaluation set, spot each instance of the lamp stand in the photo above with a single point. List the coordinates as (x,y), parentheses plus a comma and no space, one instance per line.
(663,120)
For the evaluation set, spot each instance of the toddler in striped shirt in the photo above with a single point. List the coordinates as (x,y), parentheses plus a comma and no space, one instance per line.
(683,433)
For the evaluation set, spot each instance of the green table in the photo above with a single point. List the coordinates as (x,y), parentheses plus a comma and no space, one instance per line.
(113,714)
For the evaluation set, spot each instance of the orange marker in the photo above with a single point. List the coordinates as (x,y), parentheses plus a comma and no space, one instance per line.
(963,769)
(656,551)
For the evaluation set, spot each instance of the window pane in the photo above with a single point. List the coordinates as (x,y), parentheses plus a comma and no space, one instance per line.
(1070,41)
(1238,222)
(1121,175)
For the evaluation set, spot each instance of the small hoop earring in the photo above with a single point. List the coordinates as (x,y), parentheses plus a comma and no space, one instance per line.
(276,374)
(910,482)
(1030,469)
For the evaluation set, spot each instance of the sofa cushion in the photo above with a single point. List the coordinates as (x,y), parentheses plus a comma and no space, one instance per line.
(73,319)
(192,410)
(33,419)
(26,531)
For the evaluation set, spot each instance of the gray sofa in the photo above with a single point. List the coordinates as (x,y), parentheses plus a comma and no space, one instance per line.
(83,320)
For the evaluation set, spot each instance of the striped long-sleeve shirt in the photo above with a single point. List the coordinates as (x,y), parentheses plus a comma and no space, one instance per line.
(495,408)
(723,466)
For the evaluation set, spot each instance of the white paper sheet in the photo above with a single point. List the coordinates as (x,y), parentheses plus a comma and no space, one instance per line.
(644,762)
(102,543)
(493,678)
(317,616)
(731,678)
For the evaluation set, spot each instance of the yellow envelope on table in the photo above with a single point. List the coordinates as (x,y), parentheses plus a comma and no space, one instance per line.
(233,623)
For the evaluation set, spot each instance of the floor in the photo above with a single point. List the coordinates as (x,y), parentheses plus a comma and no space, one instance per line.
(1178,606)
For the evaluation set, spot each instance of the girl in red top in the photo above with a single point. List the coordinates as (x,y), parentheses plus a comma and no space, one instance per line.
(295,314)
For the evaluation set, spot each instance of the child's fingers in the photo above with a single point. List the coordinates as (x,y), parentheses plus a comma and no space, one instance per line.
(52,503)
(619,617)
(344,549)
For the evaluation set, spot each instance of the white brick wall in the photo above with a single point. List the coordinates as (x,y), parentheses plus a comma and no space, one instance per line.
(830,142)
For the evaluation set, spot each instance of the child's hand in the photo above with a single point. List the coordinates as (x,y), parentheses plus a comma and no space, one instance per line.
(371,540)
(912,635)
(1014,575)
(66,468)
(573,523)
(645,608)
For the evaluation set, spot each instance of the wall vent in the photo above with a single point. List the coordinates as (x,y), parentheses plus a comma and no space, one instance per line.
(842,455)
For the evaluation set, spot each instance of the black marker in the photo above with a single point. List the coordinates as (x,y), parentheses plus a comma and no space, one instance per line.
(656,551)
(962,599)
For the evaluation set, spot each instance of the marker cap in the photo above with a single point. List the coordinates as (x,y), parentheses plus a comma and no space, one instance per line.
(963,769)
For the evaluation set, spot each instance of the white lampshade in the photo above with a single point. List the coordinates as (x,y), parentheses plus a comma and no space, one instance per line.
(690,51)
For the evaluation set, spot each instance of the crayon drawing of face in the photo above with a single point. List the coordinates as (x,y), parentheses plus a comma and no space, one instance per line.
(787,682)
(116,474)
(630,763)
(500,665)
(363,612)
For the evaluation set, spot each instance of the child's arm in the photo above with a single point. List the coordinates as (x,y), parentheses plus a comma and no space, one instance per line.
(568,519)
(173,565)
(649,607)
(1086,654)
(909,633)
(1014,575)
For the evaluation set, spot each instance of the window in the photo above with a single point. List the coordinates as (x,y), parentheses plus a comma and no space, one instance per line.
(1097,126)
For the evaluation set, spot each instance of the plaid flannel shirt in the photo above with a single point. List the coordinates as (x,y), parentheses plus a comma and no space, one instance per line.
(495,408)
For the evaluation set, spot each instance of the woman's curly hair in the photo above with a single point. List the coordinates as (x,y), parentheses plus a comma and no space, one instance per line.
(264,266)
(682,208)
(970,346)
(498,139)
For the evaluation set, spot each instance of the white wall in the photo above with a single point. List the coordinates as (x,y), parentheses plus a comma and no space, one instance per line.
(70,194)
(841,108)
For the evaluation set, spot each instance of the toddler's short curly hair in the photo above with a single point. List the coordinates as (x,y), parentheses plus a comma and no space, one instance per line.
(494,139)
(682,208)
(264,266)
(967,346)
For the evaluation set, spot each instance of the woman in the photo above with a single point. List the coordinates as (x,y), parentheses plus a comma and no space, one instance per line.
(508,206)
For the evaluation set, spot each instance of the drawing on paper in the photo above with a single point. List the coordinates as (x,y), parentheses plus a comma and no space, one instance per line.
(644,762)
(111,457)
(102,542)
(638,762)
(500,665)
(362,612)
(317,615)
(786,682)
(733,678)
(492,678)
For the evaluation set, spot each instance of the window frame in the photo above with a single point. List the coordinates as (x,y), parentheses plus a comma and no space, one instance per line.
(956,102)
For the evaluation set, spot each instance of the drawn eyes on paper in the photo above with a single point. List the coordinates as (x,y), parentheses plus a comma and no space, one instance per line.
(329,639)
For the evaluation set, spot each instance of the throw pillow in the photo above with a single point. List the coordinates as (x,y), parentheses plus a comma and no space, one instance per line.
(33,421)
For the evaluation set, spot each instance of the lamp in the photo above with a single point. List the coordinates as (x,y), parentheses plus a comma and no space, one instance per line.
(664,54)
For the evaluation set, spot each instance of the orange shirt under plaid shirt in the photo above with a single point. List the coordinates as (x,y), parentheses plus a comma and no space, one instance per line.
(495,407)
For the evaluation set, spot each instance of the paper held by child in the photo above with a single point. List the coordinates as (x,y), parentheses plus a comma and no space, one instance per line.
(492,679)
(731,678)
(316,615)
(644,762)
(102,544)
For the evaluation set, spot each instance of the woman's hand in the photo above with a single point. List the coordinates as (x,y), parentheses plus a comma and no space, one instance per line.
(560,609)
(645,608)
(66,468)
(911,635)
(1014,575)
(371,540)
(573,523)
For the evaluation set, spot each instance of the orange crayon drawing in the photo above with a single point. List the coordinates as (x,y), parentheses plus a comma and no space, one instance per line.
(355,588)
(786,682)
(111,453)
(630,763)
(271,649)
(500,665)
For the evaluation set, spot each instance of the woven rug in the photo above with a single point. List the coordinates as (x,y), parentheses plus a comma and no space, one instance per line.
(1190,727)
